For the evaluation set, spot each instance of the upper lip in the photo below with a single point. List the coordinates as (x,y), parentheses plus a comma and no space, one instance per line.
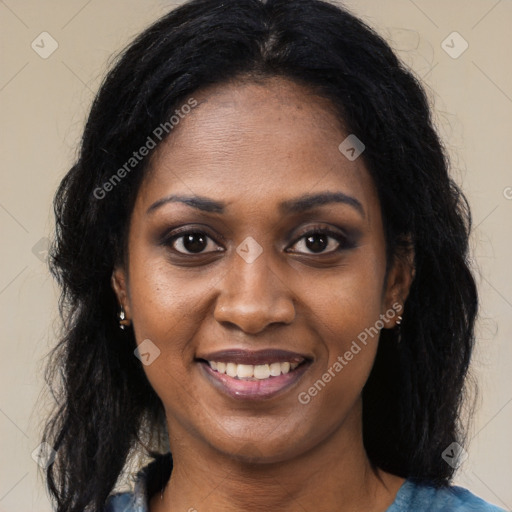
(254,357)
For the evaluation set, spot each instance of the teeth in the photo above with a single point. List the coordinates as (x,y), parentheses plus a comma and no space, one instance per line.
(275,369)
(249,371)
(230,369)
(243,371)
(261,371)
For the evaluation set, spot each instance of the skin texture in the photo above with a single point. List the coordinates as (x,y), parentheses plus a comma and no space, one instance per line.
(254,146)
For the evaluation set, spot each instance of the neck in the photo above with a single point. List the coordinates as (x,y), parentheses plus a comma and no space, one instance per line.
(335,475)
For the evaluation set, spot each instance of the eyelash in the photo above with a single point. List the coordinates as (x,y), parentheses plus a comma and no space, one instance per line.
(343,241)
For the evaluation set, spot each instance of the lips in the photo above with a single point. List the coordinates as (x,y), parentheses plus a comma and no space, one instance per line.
(243,374)
(266,356)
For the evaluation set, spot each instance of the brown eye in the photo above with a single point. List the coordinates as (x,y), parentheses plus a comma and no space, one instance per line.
(193,242)
(319,242)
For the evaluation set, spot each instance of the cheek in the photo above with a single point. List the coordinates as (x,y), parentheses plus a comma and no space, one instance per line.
(165,301)
(167,308)
(349,300)
(346,310)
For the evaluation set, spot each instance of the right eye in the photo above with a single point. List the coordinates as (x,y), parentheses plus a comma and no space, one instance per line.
(192,242)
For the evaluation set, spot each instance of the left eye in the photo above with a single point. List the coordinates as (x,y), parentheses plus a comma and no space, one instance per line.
(193,242)
(317,242)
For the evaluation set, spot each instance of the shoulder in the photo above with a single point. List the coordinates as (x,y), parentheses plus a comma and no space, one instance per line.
(149,480)
(122,502)
(426,498)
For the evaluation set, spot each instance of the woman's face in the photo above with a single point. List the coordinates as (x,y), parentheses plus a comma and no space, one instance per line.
(256,248)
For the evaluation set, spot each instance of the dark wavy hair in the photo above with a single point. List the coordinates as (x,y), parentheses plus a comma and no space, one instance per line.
(413,399)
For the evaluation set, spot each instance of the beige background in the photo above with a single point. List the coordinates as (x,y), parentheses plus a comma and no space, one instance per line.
(43,103)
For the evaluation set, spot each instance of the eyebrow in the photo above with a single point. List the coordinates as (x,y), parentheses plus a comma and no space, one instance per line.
(310,201)
(201,203)
(299,204)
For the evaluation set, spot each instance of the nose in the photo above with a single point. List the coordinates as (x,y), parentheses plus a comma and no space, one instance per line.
(253,296)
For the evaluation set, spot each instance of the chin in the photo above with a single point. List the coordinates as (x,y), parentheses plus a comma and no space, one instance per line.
(263,448)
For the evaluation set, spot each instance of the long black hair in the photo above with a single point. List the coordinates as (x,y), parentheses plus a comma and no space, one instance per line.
(412,401)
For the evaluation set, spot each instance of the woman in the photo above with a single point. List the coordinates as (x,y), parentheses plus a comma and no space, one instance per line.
(263,263)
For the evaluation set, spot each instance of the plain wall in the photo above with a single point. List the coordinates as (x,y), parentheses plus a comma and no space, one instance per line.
(43,106)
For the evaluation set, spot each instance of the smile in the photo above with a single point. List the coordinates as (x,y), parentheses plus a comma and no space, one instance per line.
(254,375)
(250,371)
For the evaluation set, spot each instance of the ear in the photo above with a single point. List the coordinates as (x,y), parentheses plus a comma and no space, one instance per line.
(398,283)
(119,282)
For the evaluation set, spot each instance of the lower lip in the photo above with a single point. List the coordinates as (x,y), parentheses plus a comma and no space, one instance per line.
(254,389)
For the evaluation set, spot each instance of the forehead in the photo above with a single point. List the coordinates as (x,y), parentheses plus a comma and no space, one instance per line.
(260,142)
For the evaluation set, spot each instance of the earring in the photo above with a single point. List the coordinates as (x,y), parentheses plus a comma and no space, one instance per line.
(123,321)
(399,329)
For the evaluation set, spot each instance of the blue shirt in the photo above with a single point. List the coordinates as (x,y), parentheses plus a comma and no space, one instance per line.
(411,497)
